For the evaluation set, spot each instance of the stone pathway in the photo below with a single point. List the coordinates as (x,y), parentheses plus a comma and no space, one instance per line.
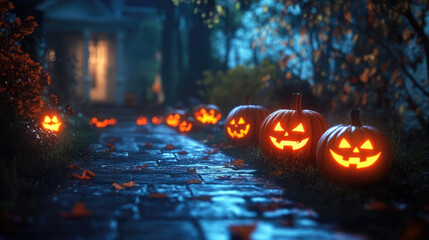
(227,200)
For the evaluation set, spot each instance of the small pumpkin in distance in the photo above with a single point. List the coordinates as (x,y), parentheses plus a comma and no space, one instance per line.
(356,154)
(207,114)
(51,123)
(141,121)
(289,134)
(186,125)
(173,119)
(157,120)
(243,123)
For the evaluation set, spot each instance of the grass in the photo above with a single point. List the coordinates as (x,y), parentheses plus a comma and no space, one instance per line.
(30,166)
(404,192)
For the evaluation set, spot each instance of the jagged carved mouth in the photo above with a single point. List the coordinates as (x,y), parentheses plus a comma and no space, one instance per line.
(240,134)
(355,160)
(287,143)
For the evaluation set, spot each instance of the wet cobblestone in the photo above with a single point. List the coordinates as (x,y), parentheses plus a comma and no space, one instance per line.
(222,197)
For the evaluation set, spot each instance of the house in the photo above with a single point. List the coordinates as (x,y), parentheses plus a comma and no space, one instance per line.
(91,32)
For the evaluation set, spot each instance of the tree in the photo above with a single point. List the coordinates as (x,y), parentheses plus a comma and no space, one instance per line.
(22,79)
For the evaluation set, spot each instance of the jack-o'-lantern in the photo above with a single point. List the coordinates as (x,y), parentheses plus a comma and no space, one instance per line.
(207,114)
(141,121)
(243,123)
(186,125)
(52,124)
(102,124)
(156,120)
(354,154)
(287,135)
(173,119)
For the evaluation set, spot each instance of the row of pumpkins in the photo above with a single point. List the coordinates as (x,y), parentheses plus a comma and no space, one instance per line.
(356,154)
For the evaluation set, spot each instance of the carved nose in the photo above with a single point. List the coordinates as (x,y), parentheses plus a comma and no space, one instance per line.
(356,150)
(286,134)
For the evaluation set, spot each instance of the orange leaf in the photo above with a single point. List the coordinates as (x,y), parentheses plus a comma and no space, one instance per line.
(203,198)
(194,181)
(79,210)
(86,175)
(169,147)
(192,170)
(205,158)
(242,232)
(158,195)
(148,145)
(140,167)
(72,166)
(118,186)
(182,152)
(276,173)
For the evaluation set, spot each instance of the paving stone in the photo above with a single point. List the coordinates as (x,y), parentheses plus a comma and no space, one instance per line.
(163,205)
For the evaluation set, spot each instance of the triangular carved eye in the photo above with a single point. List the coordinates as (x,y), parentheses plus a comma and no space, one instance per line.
(367,145)
(47,119)
(278,128)
(299,128)
(55,119)
(241,121)
(232,122)
(344,144)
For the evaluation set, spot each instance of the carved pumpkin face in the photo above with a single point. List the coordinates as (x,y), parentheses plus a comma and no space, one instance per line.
(208,114)
(141,121)
(156,120)
(52,124)
(288,135)
(359,156)
(238,128)
(173,119)
(185,126)
(293,137)
(354,154)
(243,122)
(102,124)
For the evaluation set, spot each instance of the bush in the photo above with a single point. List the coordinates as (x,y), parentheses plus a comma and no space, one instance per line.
(230,88)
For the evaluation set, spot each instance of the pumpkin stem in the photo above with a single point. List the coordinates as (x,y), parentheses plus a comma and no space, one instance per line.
(296,101)
(355,118)
(248,99)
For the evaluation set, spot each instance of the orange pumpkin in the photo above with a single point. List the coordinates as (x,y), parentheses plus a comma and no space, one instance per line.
(243,123)
(292,134)
(52,124)
(173,119)
(186,125)
(141,121)
(207,114)
(102,124)
(157,120)
(354,154)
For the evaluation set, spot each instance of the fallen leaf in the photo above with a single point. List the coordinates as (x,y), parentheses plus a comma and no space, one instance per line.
(205,158)
(148,145)
(212,151)
(182,152)
(194,181)
(169,147)
(276,173)
(235,164)
(123,185)
(140,167)
(79,210)
(86,175)
(192,170)
(158,195)
(118,186)
(242,232)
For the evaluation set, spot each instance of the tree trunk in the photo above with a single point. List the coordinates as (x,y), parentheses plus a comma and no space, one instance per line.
(166,48)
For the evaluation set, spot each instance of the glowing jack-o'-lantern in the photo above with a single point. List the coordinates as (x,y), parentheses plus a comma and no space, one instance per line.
(186,125)
(156,120)
(243,122)
(141,121)
(292,134)
(52,124)
(104,123)
(354,153)
(207,114)
(173,119)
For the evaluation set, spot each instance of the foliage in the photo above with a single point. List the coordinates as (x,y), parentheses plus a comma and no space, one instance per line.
(22,79)
(230,88)
(360,53)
